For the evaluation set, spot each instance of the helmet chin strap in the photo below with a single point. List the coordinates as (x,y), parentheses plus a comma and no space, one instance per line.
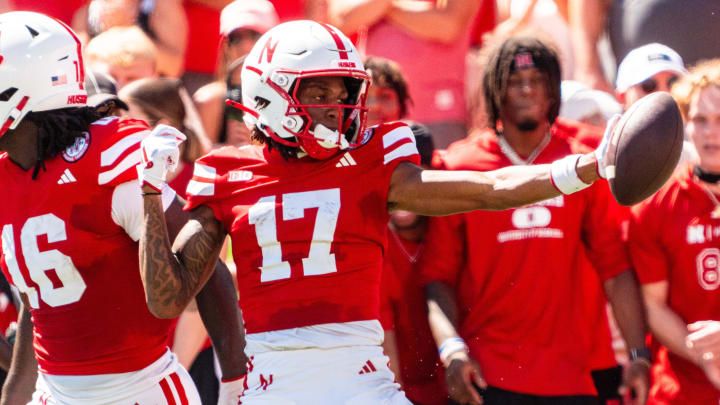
(327,138)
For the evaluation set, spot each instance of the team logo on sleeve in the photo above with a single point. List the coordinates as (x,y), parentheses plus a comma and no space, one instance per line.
(74,152)
(366,136)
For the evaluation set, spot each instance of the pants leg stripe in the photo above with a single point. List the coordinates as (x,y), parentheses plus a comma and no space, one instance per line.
(167,391)
(179,388)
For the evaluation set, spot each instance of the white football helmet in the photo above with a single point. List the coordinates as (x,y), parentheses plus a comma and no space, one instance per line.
(273,70)
(41,67)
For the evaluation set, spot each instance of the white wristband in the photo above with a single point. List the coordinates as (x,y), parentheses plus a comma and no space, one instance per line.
(564,175)
(451,346)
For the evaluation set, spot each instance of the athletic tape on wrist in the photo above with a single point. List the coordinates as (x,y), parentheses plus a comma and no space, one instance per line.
(563,174)
(451,346)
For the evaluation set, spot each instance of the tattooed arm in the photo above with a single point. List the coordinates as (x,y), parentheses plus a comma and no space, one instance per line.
(172,276)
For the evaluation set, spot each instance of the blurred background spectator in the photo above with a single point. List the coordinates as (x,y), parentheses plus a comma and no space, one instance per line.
(690,27)
(124,53)
(163,21)
(430,41)
(242,22)
(674,248)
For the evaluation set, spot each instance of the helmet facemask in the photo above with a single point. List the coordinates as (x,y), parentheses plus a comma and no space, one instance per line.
(318,140)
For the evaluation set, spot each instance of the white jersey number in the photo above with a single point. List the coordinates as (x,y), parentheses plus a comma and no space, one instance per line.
(319,260)
(71,286)
(708,269)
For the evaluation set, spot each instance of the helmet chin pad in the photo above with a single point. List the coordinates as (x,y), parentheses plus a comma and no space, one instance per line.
(324,143)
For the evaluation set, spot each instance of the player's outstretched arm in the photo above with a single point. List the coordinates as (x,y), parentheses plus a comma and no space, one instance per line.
(20,383)
(433,192)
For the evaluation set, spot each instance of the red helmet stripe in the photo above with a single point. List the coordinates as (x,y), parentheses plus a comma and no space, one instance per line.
(81,67)
(338,41)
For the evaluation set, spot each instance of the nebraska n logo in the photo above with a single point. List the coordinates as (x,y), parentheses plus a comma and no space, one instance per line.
(270,49)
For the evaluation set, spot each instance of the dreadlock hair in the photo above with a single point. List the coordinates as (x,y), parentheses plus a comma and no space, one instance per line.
(58,129)
(287,152)
(387,73)
(500,65)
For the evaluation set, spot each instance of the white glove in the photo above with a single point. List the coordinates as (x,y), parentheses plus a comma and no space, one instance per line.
(231,391)
(159,154)
(602,149)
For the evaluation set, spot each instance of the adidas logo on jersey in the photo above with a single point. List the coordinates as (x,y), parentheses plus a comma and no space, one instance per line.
(368,368)
(67,177)
(346,160)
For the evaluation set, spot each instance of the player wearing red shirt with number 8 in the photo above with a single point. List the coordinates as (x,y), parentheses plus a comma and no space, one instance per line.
(307,213)
(675,248)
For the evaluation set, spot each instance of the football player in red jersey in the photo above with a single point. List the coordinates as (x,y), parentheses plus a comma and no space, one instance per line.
(674,244)
(307,212)
(70,224)
(514,284)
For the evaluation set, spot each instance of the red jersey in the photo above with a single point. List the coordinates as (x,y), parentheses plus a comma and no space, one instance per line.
(518,273)
(307,235)
(420,368)
(674,238)
(64,249)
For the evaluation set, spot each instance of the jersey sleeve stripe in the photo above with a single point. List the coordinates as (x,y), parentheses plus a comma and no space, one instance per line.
(203,180)
(111,154)
(399,134)
(130,161)
(407,149)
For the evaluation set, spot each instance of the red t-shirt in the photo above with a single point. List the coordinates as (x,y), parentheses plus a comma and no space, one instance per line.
(518,274)
(307,235)
(674,238)
(78,267)
(63,10)
(421,372)
(203,44)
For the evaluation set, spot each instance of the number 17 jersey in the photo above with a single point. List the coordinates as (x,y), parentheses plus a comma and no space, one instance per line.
(307,236)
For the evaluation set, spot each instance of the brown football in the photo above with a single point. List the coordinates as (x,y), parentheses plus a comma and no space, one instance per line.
(645,148)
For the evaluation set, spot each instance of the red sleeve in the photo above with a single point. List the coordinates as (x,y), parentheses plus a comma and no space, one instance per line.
(602,232)
(444,251)
(398,145)
(119,148)
(647,253)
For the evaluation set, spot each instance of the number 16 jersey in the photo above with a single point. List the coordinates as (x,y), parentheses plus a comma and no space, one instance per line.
(307,236)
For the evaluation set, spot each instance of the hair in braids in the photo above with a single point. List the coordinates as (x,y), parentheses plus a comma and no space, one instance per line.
(287,152)
(58,129)
(501,64)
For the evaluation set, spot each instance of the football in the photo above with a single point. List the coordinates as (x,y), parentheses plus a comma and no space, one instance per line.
(644,148)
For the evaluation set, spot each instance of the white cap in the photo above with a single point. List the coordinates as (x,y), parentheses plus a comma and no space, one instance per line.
(256,15)
(580,101)
(646,61)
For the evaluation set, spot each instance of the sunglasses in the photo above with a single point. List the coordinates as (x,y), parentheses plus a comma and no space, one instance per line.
(651,85)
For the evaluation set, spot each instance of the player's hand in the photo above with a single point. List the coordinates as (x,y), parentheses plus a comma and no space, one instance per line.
(231,391)
(704,342)
(602,149)
(461,373)
(159,154)
(636,382)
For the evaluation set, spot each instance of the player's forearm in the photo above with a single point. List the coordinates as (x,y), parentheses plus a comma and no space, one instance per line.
(433,192)
(350,16)
(218,306)
(446,24)
(20,383)
(670,330)
(623,294)
(166,292)
(442,311)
